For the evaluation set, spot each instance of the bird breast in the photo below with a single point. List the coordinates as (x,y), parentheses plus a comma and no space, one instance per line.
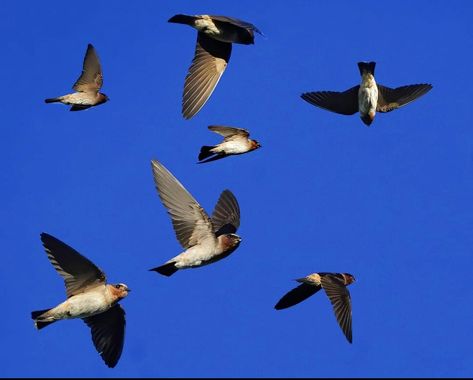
(367,95)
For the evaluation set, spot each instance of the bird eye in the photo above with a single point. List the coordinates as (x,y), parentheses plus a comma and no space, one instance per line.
(118,286)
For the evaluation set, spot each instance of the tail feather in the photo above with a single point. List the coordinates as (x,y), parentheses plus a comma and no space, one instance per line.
(182,19)
(52,100)
(366,67)
(205,152)
(166,269)
(38,323)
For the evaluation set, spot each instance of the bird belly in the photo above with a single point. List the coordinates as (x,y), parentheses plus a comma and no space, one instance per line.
(197,256)
(232,147)
(79,98)
(81,306)
(367,100)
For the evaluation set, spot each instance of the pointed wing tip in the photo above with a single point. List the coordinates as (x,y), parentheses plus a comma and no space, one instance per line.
(155,163)
(188,115)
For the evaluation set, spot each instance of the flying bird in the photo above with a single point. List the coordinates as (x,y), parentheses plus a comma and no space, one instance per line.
(87,86)
(89,297)
(335,286)
(205,240)
(367,98)
(212,53)
(236,141)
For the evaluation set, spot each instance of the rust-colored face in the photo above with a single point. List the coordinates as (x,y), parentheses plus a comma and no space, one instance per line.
(255,145)
(102,98)
(121,290)
(231,241)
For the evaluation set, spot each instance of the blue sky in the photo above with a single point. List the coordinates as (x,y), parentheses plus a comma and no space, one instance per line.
(390,204)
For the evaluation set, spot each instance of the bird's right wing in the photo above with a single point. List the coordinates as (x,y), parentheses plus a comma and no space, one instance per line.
(209,63)
(391,98)
(79,273)
(91,79)
(190,221)
(339,296)
(345,103)
(108,333)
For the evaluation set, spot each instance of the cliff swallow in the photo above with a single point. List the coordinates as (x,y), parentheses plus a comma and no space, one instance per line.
(88,298)
(367,98)
(212,53)
(335,286)
(236,141)
(87,86)
(205,240)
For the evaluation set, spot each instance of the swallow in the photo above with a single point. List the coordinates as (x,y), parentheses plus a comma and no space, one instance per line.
(367,98)
(89,297)
(212,53)
(236,141)
(335,286)
(205,240)
(87,87)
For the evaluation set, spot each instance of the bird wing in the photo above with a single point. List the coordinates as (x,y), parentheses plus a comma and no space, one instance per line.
(91,79)
(345,103)
(296,295)
(226,216)
(108,333)
(391,98)
(339,296)
(236,22)
(79,273)
(226,131)
(190,221)
(209,63)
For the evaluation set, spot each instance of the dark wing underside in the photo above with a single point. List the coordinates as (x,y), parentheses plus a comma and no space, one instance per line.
(339,296)
(297,295)
(392,98)
(108,333)
(345,103)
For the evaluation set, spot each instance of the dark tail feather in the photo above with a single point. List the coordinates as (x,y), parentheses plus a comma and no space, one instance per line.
(205,152)
(366,67)
(52,100)
(40,324)
(182,19)
(214,158)
(166,269)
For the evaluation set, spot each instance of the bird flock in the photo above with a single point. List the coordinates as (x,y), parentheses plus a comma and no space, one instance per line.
(205,239)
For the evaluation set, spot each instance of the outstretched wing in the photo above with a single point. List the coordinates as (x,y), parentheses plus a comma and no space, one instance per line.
(190,221)
(209,63)
(108,333)
(391,98)
(237,22)
(339,296)
(345,103)
(91,79)
(79,273)
(296,295)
